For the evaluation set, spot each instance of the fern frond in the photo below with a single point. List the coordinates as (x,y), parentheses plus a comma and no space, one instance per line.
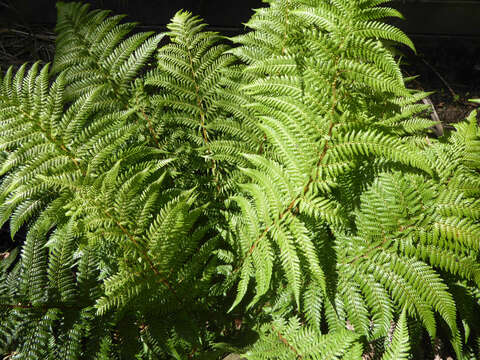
(61,262)
(92,53)
(287,340)
(400,346)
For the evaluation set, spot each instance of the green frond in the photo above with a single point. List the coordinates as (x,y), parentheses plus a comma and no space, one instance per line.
(92,52)
(289,340)
(379,30)
(359,143)
(400,346)
(279,198)
(61,261)
(378,302)
(354,306)
(460,232)
(245,275)
(34,263)
(379,13)
(190,73)
(463,266)
(313,299)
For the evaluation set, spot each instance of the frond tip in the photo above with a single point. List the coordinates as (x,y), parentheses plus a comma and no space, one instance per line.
(400,346)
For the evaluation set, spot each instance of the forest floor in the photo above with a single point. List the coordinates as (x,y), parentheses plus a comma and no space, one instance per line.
(451,68)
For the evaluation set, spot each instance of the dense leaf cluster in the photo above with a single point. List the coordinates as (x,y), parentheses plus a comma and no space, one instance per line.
(276,194)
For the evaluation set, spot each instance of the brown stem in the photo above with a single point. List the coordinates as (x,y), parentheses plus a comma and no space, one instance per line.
(54,141)
(285,341)
(150,127)
(142,252)
(202,119)
(311,179)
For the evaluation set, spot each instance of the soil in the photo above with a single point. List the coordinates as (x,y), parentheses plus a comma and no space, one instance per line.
(450,67)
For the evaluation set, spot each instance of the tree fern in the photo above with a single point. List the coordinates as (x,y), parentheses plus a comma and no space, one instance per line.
(276,194)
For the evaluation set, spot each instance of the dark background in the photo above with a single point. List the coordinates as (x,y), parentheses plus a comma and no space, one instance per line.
(423,17)
(218,13)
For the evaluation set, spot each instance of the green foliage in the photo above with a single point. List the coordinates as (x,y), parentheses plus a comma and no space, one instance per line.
(290,340)
(276,194)
(399,346)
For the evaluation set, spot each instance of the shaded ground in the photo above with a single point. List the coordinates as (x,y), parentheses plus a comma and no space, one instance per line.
(450,67)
